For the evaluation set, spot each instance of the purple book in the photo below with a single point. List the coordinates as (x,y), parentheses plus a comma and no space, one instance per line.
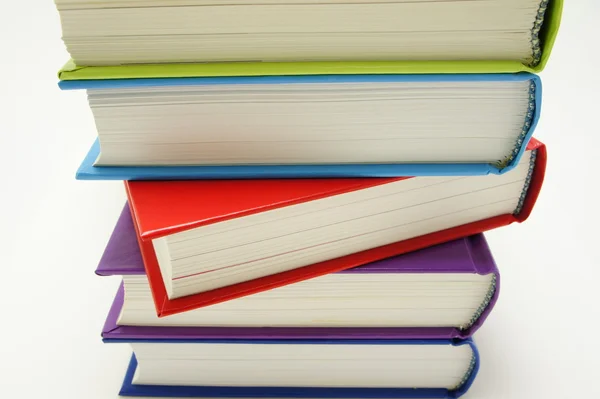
(469,255)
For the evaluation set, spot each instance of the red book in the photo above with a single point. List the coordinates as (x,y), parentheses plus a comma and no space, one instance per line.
(205,242)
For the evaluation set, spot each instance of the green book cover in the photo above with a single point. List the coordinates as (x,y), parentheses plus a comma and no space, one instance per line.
(543,37)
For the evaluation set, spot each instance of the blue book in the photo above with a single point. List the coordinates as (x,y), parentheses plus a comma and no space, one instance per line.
(351,369)
(309,126)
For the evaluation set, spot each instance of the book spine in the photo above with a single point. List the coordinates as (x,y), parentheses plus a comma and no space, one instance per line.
(484,308)
(533,184)
(536,42)
(483,264)
(471,372)
(532,116)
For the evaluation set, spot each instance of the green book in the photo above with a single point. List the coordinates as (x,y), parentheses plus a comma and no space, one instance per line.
(543,34)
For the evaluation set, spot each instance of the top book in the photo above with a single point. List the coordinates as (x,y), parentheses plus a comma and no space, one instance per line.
(512,35)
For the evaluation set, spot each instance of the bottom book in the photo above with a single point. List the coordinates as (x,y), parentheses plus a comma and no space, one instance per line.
(349,369)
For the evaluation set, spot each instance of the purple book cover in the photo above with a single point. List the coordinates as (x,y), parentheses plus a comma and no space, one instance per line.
(468,255)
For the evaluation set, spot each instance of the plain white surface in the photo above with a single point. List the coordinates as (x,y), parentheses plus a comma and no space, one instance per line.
(540,342)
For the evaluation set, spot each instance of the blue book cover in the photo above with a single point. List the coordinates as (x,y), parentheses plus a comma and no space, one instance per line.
(129,389)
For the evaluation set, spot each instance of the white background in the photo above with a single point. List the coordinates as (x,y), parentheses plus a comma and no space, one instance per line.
(541,341)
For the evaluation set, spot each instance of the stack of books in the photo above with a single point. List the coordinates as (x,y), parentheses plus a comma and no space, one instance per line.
(308,183)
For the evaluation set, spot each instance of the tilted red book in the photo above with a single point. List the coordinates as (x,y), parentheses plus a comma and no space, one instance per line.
(165,208)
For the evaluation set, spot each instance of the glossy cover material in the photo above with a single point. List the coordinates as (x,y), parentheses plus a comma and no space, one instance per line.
(548,35)
(162,208)
(466,255)
(87,170)
(163,391)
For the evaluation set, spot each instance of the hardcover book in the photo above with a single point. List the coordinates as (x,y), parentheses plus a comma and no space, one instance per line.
(376,369)
(445,291)
(309,126)
(257,37)
(205,242)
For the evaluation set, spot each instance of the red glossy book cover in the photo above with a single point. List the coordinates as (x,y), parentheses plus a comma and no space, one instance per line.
(168,207)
